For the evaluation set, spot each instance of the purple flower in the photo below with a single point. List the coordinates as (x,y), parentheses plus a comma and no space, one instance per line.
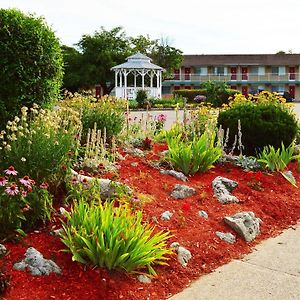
(12,190)
(3,181)
(26,181)
(11,171)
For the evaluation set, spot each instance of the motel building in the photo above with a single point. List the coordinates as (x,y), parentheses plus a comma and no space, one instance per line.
(248,73)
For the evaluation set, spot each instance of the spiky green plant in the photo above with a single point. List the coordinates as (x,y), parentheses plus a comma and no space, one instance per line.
(113,237)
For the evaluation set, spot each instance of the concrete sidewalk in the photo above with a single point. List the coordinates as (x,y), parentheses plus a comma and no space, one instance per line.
(271,271)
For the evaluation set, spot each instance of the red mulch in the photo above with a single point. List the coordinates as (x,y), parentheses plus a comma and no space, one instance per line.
(278,206)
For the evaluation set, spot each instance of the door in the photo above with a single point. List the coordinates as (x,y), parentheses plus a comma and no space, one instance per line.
(98,91)
(187,73)
(176,74)
(292,90)
(233,71)
(245,90)
(292,75)
(244,73)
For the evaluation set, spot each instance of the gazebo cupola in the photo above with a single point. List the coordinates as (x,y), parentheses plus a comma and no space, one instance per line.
(138,73)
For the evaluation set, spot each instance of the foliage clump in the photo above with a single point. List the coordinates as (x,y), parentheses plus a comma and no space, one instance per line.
(31,65)
(114,237)
(265,120)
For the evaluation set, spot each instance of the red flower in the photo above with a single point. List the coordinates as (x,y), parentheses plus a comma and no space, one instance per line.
(44,185)
(186,207)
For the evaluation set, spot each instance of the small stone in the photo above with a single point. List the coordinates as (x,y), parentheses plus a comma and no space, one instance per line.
(175,245)
(244,224)
(183,256)
(178,175)
(3,250)
(290,177)
(57,232)
(181,191)
(203,214)
(166,216)
(144,279)
(63,211)
(222,187)
(134,164)
(227,237)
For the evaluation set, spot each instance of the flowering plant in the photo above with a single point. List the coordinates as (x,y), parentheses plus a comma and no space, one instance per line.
(160,121)
(22,203)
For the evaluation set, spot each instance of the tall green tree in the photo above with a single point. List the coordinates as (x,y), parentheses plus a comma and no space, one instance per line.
(100,52)
(31,65)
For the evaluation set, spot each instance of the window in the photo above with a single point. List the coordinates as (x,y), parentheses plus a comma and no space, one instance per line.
(278,70)
(201,71)
(278,88)
(220,71)
(254,70)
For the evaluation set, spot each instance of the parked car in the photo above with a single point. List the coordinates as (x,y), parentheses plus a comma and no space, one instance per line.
(287,96)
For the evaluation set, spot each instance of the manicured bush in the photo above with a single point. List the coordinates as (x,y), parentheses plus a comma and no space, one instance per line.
(114,237)
(262,123)
(141,97)
(189,94)
(31,65)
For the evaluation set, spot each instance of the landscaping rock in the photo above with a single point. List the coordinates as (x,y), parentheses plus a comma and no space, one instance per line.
(181,191)
(183,255)
(3,250)
(36,264)
(290,177)
(222,187)
(134,164)
(178,175)
(135,152)
(227,237)
(166,216)
(57,232)
(107,186)
(63,211)
(143,279)
(203,214)
(244,224)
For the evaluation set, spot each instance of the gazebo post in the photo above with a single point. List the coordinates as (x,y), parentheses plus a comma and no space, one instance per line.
(143,79)
(125,84)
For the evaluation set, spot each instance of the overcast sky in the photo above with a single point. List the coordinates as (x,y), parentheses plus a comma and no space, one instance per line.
(194,26)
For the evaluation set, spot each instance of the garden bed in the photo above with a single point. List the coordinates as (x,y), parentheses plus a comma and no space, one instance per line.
(277,205)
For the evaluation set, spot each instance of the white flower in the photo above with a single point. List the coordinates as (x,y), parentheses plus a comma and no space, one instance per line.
(23,159)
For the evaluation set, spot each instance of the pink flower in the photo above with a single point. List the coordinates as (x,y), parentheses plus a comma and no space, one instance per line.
(3,181)
(162,118)
(11,171)
(44,185)
(26,181)
(12,190)
(24,194)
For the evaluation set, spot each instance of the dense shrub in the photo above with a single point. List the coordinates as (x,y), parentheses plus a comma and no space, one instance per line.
(141,97)
(216,98)
(107,112)
(31,66)
(262,123)
(37,144)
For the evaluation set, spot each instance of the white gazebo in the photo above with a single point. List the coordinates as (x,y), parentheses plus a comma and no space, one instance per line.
(138,73)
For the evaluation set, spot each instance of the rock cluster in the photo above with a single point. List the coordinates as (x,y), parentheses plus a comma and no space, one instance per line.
(227,237)
(166,216)
(222,188)
(37,264)
(183,255)
(244,224)
(178,175)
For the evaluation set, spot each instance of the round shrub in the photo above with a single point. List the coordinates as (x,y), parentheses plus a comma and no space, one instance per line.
(31,65)
(262,124)
(141,97)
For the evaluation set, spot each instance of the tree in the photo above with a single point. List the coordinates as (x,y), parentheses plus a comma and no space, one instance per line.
(31,65)
(100,52)
(73,68)
(166,56)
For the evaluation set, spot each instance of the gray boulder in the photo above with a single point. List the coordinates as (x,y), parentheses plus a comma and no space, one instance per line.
(227,237)
(245,224)
(183,255)
(3,250)
(181,191)
(166,216)
(36,264)
(178,175)
(222,188)
(107,186)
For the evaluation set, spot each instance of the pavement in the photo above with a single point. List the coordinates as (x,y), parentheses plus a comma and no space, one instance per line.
(271,271)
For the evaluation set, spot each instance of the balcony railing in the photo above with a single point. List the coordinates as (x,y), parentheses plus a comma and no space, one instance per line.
(241,77)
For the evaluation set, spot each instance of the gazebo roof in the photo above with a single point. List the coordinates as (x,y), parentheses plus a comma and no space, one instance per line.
(138,61)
